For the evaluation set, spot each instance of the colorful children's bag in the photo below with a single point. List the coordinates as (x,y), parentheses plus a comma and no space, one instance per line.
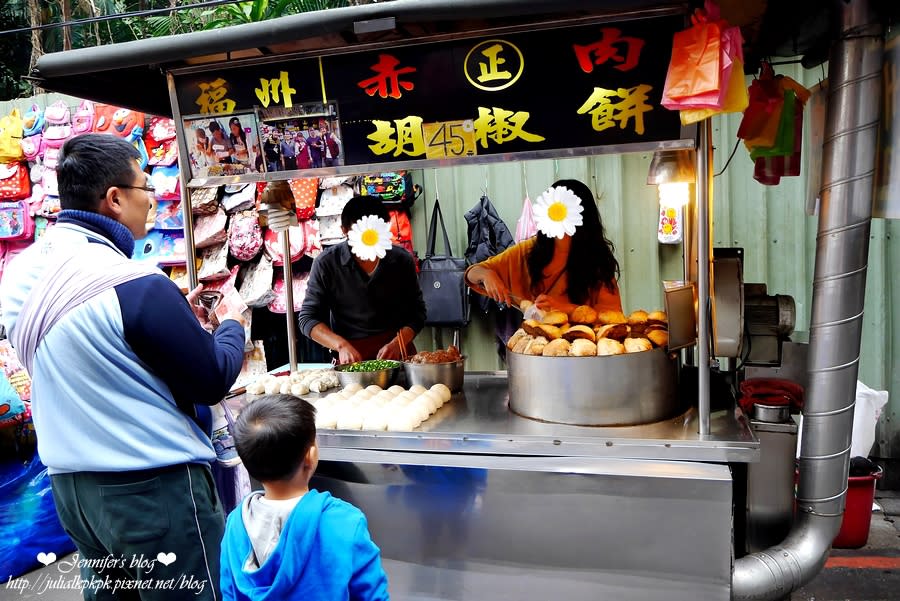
(58,114)
(14,181)
(83,120)
(15,221)
(33,123)
(166,181)
(161,143)
(33,147)
(11,133)
(109,119)
(56,135)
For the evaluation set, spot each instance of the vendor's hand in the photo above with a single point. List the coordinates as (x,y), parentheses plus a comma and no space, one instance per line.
(391,351)
(347,353)
(545,302)
(495,288)
(200,312)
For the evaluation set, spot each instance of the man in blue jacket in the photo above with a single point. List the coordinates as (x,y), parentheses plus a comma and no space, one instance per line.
(119,362)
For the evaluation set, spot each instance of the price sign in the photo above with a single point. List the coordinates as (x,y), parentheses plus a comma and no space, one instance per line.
(449,139)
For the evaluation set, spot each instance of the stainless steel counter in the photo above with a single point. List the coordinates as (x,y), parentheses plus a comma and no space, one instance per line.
(478,420)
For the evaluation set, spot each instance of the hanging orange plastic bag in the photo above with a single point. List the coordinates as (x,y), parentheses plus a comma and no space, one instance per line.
(695,69)
(733,93)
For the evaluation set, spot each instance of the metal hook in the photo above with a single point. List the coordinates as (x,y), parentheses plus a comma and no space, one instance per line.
(484,188)
(436,195)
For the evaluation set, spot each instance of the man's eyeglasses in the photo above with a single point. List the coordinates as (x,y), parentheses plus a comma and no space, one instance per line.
(149,189)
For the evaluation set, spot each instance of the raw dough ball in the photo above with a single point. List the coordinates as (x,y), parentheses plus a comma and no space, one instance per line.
(401,422)
(326,418)
(374,388)
(433,399)
(421,408)
(396,389)
(377,420)
(443,390)
(285,387)
(256,388)
(334,397)
(349,420)
(272,386)
(413,415)
(299,389)
(400,401)
(418,389)
(352,388)
(435,396)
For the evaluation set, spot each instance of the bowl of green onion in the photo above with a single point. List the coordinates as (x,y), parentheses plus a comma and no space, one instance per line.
(382,372)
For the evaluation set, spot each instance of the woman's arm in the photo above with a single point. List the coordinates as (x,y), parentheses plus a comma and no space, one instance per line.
(485,281)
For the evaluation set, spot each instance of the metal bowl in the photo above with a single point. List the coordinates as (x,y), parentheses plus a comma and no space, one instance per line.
(381,377)
(450,374)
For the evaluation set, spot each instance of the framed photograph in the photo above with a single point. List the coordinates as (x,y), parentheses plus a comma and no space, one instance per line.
(223,145)
(306,136)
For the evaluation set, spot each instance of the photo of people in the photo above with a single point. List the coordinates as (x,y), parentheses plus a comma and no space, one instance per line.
(226,145)
(306,137)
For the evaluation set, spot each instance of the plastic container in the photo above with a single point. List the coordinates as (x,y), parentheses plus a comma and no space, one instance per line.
(857,520)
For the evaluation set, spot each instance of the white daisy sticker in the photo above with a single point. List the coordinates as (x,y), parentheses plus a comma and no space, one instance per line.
(370,238)
(557,212)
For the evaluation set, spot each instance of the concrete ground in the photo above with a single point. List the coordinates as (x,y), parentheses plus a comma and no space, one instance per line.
(871,573)
(868,574)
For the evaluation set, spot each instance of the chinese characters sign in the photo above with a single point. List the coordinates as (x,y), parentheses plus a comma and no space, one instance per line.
(583,86)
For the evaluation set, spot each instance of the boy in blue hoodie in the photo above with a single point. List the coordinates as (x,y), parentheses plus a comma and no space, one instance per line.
(291,542)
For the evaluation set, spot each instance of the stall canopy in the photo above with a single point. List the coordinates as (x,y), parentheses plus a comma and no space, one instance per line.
(133,74)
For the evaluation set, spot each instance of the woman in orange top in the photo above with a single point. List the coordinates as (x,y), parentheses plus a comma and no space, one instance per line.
(570,261)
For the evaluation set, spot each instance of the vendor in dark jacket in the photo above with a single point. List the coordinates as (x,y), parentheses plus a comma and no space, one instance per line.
(363,295)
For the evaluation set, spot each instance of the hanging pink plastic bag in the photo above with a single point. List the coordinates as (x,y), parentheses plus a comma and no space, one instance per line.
(525,226)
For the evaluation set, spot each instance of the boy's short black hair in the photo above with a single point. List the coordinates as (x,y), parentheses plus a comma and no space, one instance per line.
(272,435)
(360,206)
(89,165)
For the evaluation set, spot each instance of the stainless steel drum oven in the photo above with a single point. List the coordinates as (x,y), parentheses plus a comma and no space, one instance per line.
(615,390)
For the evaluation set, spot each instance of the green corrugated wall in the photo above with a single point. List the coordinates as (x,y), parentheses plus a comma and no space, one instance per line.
(770,223)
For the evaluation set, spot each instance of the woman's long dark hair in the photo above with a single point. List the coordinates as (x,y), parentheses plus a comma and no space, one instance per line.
(243,134)
(591,263)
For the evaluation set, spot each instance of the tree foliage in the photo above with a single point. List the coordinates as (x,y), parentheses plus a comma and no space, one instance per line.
(23,50)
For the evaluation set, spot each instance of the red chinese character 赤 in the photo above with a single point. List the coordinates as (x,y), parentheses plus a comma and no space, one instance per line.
(607,48)
(387,79)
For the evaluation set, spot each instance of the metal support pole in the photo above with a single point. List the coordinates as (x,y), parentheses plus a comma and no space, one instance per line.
(189,251)
(704,192)
(289,298)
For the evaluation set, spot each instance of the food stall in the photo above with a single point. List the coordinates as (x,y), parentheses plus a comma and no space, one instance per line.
(583,477)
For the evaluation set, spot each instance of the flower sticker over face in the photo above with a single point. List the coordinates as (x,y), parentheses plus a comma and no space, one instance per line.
(557,212)
(370,238)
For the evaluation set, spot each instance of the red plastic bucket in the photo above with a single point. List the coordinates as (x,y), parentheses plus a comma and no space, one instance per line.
(857,520)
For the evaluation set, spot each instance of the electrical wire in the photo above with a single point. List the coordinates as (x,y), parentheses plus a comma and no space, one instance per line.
(731,156)
(140,13)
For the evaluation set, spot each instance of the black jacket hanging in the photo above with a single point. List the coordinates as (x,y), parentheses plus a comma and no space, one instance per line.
(488,236)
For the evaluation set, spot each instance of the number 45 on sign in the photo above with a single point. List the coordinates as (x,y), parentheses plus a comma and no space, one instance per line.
(449,139)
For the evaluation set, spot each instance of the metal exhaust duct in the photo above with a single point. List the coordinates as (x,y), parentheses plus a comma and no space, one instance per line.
(848,170)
